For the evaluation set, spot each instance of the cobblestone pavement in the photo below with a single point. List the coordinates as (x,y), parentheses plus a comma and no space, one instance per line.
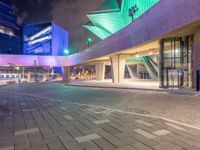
(181,106)
(35,123)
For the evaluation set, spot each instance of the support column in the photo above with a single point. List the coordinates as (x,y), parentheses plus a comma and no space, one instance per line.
(100,71)
(66,74)
(23,74)
(195,57)
(118,63)
(161,63)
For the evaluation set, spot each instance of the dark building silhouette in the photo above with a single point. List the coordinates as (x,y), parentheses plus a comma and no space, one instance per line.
(10,40)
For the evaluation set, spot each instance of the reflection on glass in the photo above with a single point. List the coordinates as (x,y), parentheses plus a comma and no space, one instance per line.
(176,62)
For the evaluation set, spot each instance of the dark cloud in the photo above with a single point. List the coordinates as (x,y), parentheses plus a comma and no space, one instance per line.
(70,14)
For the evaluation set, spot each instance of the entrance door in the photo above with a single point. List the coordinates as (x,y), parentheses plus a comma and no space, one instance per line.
(175,78)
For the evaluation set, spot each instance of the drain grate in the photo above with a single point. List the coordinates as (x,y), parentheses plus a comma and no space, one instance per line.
(4,112)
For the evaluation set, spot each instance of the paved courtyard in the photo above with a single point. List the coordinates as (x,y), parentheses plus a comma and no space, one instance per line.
(53,116)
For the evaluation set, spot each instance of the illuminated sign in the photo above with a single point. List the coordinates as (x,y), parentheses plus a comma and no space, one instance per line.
(44,39)
(44,31)
(40,40)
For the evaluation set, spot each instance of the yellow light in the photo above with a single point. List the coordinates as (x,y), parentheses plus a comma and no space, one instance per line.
(17,68)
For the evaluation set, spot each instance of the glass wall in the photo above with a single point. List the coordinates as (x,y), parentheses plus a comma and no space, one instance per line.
(175,65)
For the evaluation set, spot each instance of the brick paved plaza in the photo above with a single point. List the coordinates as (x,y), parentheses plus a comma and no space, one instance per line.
(53,116)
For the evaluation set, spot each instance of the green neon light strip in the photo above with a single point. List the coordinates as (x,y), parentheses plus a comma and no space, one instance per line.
(108,23)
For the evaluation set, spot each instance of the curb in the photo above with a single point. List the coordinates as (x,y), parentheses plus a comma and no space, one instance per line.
(113,87)
(164,91)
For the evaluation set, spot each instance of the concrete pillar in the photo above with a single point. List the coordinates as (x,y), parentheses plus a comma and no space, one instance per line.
(100,71)
(195,56)
(118,63)
(66,74)
(52,70)
(23,74)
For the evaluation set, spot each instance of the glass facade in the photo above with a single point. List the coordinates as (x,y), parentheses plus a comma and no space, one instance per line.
(10,41)
(37,39)
(175,62)
(44,39)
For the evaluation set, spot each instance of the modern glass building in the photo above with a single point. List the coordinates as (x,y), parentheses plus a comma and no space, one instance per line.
(10,41)
(44,39)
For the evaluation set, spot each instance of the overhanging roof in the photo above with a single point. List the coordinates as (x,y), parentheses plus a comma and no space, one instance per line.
(167,18)
(115,18)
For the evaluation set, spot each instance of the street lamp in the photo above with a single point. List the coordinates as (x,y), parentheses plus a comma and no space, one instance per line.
(89,40)
(132,11)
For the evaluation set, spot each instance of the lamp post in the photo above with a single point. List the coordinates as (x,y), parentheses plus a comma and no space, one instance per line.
(89,40)
(132,11)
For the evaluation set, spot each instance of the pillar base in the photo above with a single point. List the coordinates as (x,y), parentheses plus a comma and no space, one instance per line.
(100,71)
(118,63)
(66,74)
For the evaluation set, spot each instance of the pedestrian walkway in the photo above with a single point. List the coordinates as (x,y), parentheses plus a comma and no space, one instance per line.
(128,84)
(146,85)
(35,123)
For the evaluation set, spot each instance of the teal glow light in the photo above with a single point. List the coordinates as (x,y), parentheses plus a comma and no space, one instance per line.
(66,52)
(89,40)
(108,21)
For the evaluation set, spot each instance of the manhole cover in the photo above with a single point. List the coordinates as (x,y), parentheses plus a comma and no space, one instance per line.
(4,112)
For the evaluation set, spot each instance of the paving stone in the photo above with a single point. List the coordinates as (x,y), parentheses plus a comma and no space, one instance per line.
(110,129)
(29,110)
(68,117)
(22,142)
(126,148)
(73,131)
(141,146)
(101,121)
(116,130)
(161,132)
(144,123)
(7,148)
(168,146)
(175,126)
(41,147)
(104,144)
(87,138)
(63,108)
(28,131)
(145,134)
(122,142)
(89,146)
(57,145)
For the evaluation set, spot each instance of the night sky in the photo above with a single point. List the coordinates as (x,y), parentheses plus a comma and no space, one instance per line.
(70,14)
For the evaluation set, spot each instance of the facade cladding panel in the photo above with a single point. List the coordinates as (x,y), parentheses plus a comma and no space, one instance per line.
(45,39)
(10,41)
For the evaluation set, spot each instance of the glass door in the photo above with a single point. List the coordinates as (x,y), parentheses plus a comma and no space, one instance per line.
(175,65)
(174,78)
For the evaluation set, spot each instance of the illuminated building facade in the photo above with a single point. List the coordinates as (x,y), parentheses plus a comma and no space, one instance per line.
(113,15)
(10,41)
(44,39)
